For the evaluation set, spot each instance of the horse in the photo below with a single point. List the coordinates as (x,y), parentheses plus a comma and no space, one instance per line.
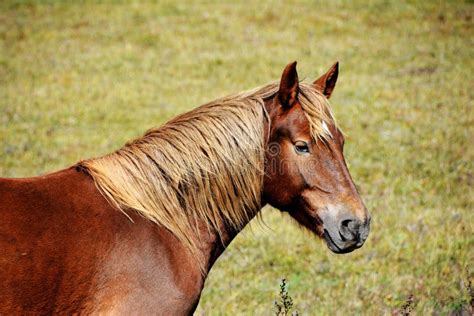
(138,230)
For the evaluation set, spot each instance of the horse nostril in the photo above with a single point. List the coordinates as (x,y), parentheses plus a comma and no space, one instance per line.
(346,222)
(349,229)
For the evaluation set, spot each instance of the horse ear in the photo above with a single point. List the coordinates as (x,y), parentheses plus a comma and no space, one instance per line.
(289,87)
(327,82)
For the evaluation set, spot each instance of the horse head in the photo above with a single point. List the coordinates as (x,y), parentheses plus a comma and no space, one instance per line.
(305,171)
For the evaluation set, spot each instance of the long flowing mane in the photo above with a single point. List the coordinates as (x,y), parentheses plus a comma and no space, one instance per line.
(204,166)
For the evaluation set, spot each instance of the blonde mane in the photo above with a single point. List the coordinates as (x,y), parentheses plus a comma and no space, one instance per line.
(204,166)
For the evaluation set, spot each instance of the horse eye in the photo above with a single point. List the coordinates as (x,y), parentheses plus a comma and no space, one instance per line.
(301,147)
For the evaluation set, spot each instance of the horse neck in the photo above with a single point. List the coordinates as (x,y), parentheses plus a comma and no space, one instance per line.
(214,244)
(116,173)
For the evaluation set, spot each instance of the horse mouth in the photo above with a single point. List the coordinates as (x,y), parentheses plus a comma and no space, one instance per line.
(310,218)
(334,247)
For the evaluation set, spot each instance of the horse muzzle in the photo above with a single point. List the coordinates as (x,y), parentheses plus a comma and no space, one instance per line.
(344,232)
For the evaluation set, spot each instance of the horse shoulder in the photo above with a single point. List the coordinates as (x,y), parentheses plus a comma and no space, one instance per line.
(65,249)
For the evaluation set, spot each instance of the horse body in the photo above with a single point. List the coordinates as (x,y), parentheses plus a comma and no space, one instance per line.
(65,249)
(137,231)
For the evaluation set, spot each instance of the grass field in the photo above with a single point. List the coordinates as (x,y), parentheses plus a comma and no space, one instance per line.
(79,80)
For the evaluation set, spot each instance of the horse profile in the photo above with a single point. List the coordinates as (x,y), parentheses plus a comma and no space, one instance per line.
(138,230)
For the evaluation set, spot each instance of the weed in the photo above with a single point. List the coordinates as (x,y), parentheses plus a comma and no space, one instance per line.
(285,304)
(407,307)
(470,292)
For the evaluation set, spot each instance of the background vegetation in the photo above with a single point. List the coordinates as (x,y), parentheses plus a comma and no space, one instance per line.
(80,79)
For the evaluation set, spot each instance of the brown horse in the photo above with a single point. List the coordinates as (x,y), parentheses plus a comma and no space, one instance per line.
(137,231)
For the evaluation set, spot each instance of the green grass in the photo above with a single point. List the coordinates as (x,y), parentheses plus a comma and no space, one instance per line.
(79,80)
